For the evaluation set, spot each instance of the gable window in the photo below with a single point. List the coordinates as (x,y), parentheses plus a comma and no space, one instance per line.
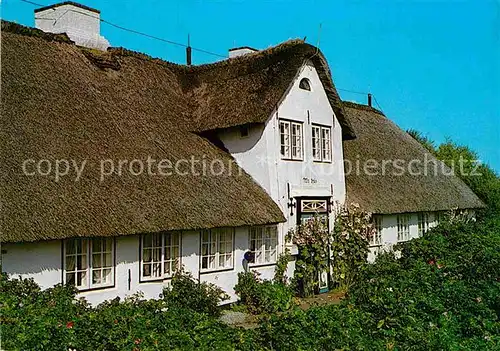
(403,227)
(160,255)
(291,140)
(89,262)
(264,243)
(376,238)
(305,84)
(321,143)
(217,246)
(423,223)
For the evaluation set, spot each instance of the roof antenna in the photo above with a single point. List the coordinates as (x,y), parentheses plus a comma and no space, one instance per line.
(317,46)
(188,52)
(319,35)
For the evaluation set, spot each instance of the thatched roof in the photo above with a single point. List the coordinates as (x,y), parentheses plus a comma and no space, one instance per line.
(246,89)
(379,139)
(60,101)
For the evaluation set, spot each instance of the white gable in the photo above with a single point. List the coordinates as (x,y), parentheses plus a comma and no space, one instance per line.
(258,153)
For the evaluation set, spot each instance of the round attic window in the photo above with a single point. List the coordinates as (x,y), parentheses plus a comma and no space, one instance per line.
(305,84)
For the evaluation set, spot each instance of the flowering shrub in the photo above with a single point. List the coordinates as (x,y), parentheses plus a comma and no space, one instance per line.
(281,267)
(349,247)
(52,319)
(442,293)
(312,239)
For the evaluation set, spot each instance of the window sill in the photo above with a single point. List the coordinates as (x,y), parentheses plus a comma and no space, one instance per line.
(215,270)
(375,246)
(259,265)
(292,159)
(155,280)
(84,290)
(326,162)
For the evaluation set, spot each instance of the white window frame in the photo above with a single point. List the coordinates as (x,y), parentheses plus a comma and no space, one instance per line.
(321,143)
(305,84)
(264,242)
(423,223)
(166,255)
(86,256)
(376,238)
(403,227)
(291,140)
(210,249)
(314,206)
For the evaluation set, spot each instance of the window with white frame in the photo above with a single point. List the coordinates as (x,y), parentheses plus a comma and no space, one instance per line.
(376,238)
(160,255)
(291,140)
(403,227)
(321,143)
(305,84)
(264,243)
(217,247)
(89,262)
(423,223)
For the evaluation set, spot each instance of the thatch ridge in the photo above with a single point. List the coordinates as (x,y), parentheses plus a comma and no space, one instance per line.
(379,139)
(236,91)
(259,80)
(361,107)
(11,27)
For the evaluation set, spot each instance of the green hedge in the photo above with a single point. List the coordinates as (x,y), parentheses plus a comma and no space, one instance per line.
(442,294)
(262,296)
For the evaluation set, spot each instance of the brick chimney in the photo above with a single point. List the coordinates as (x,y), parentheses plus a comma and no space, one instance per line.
(235,52)
(82,24)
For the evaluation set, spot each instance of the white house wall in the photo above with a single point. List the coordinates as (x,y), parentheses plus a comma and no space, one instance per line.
(42,261)
(390,232)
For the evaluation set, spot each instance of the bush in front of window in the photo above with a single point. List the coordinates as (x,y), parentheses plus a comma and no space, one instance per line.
(441,294)
(281,267)
(262,296)
(54,319)
(35,319)
(185,292)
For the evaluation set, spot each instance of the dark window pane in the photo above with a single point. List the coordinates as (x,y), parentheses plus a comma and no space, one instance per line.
(146,270)
(96,245)
(70,278)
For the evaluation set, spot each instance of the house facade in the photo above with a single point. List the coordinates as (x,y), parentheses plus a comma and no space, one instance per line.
(122,168)
(391,175)
(112,230)
(296,155)
(104,268)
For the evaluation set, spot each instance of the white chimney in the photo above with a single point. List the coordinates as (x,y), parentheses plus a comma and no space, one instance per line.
(82,24)
(235,52)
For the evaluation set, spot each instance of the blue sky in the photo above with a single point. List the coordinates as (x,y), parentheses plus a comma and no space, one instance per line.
(432,65)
